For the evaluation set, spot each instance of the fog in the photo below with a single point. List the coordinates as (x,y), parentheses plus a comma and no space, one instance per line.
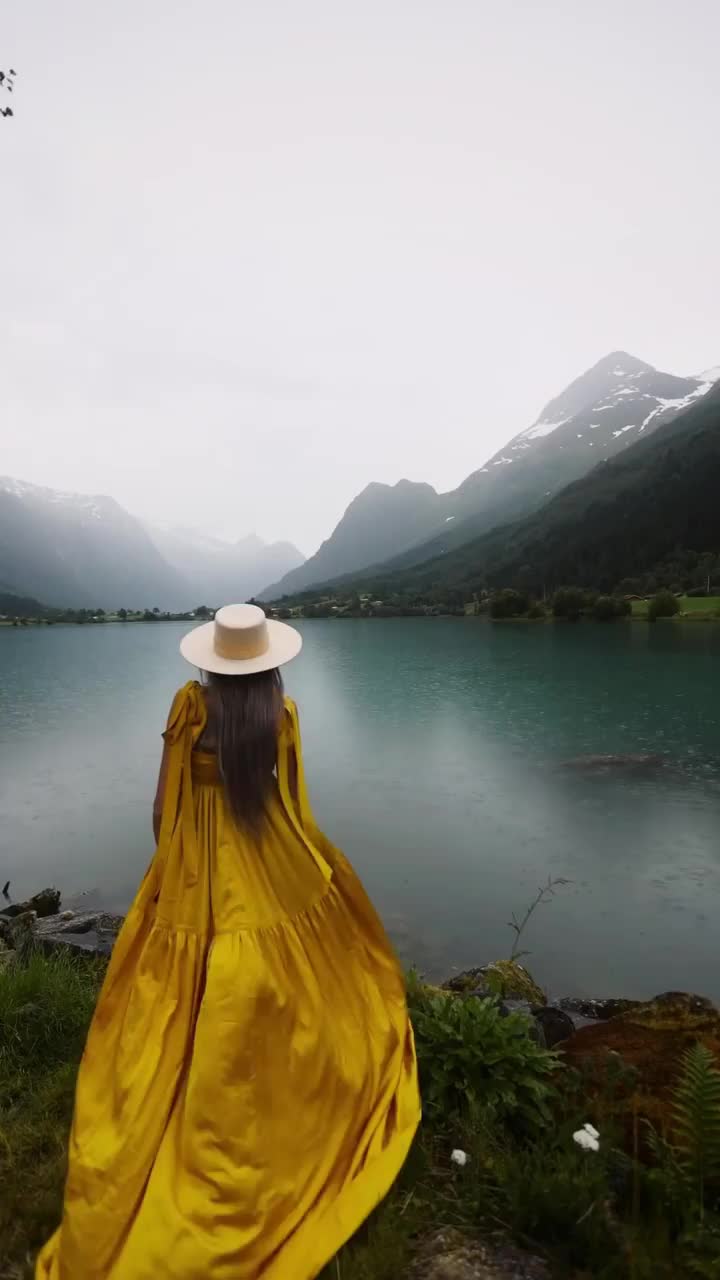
(255,255)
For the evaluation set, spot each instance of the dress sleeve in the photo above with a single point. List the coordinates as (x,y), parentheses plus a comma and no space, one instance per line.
(291,771)
(184,708)
(186,722)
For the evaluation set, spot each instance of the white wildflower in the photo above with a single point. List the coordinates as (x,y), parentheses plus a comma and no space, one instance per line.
(588,1138)
(459,1157)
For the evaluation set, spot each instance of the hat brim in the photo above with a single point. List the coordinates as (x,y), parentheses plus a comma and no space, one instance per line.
(198,649)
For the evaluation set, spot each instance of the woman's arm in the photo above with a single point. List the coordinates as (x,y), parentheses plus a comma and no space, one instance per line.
(160,792)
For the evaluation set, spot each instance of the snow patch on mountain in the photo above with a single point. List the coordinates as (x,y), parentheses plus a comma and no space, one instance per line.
(663,404)
(93,506)
(542,429)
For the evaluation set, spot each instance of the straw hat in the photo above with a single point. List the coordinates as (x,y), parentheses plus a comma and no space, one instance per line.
(240,642)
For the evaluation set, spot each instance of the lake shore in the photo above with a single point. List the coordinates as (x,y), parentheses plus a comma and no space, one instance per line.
(527,1163)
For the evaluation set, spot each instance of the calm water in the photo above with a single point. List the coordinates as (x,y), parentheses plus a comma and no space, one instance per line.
(434,750)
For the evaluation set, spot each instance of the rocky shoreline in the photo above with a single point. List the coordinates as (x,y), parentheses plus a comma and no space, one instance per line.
(626,1060)
(40,922)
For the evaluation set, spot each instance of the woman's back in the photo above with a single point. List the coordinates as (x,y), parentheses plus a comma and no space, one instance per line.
(248,1091)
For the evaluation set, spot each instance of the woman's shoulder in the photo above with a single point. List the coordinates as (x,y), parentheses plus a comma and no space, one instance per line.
(289,717)
(190,691)
(187,704)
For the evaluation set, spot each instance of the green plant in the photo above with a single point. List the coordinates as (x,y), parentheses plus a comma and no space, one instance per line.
(663,605)
(508,604)
(696,1122)
(569,602)
(45,1009)
(685,1177)
(544,894)
(608,608)
(471,1056)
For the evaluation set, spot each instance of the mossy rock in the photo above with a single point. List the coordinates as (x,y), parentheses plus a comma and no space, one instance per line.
(449,1255)
(504,978)
(649,1043)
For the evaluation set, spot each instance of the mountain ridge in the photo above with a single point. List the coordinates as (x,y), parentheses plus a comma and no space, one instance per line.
(595,417)
(600,529)
(75,550)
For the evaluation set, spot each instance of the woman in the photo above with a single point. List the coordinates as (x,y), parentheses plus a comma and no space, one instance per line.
(248,1092)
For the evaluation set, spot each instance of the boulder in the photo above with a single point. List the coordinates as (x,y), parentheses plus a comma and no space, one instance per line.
(556,1025)
(642,1049)
(87,933)
(504,978)
(83,932)
(597,1010)
(449,1255)
(637,760)
(45,903)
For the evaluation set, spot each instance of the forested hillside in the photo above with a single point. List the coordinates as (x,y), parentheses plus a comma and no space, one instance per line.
(647,514)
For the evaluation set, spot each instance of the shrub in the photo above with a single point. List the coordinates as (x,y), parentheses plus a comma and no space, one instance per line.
(663,605)
(536,611)
(472,1057)
(568,602)
(608,608)
(508,604)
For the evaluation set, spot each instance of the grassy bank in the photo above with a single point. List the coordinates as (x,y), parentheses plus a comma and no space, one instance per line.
(45,1008)
(488,1089)
(692,609)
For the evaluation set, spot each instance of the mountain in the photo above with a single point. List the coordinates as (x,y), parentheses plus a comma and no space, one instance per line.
(645,510)
(620,399)
(80,551)
(219,572)
(12,606)
(382,520)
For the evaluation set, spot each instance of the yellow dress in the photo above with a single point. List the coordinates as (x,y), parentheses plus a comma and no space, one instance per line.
(248,1091)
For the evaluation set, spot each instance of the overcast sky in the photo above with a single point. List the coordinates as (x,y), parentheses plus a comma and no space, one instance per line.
(257,253)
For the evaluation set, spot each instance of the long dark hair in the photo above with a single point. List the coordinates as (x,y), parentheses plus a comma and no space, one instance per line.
(245,714)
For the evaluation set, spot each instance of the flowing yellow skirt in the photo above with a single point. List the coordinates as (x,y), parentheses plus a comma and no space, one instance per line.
(248,1091)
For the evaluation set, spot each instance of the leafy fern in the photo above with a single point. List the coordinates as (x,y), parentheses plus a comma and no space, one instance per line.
(696,1121)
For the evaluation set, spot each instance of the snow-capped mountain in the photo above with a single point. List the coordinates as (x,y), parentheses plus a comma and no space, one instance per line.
(627,395)
(596,417)
(619,400)
(79,550)
(85,550)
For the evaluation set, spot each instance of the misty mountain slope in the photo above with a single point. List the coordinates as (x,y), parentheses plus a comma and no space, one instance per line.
(380,521)
(82,551)
(12,606)
(218,572)
(619,400)
(656,499)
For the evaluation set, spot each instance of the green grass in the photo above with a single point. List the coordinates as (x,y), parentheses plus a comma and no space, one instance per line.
(697,608)
(45,1009)
(590,1214)
(700,604)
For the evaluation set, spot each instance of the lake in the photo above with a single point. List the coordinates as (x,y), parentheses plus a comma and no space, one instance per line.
(435,751)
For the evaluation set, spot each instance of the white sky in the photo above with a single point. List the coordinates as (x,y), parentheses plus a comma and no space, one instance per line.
(257,254)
